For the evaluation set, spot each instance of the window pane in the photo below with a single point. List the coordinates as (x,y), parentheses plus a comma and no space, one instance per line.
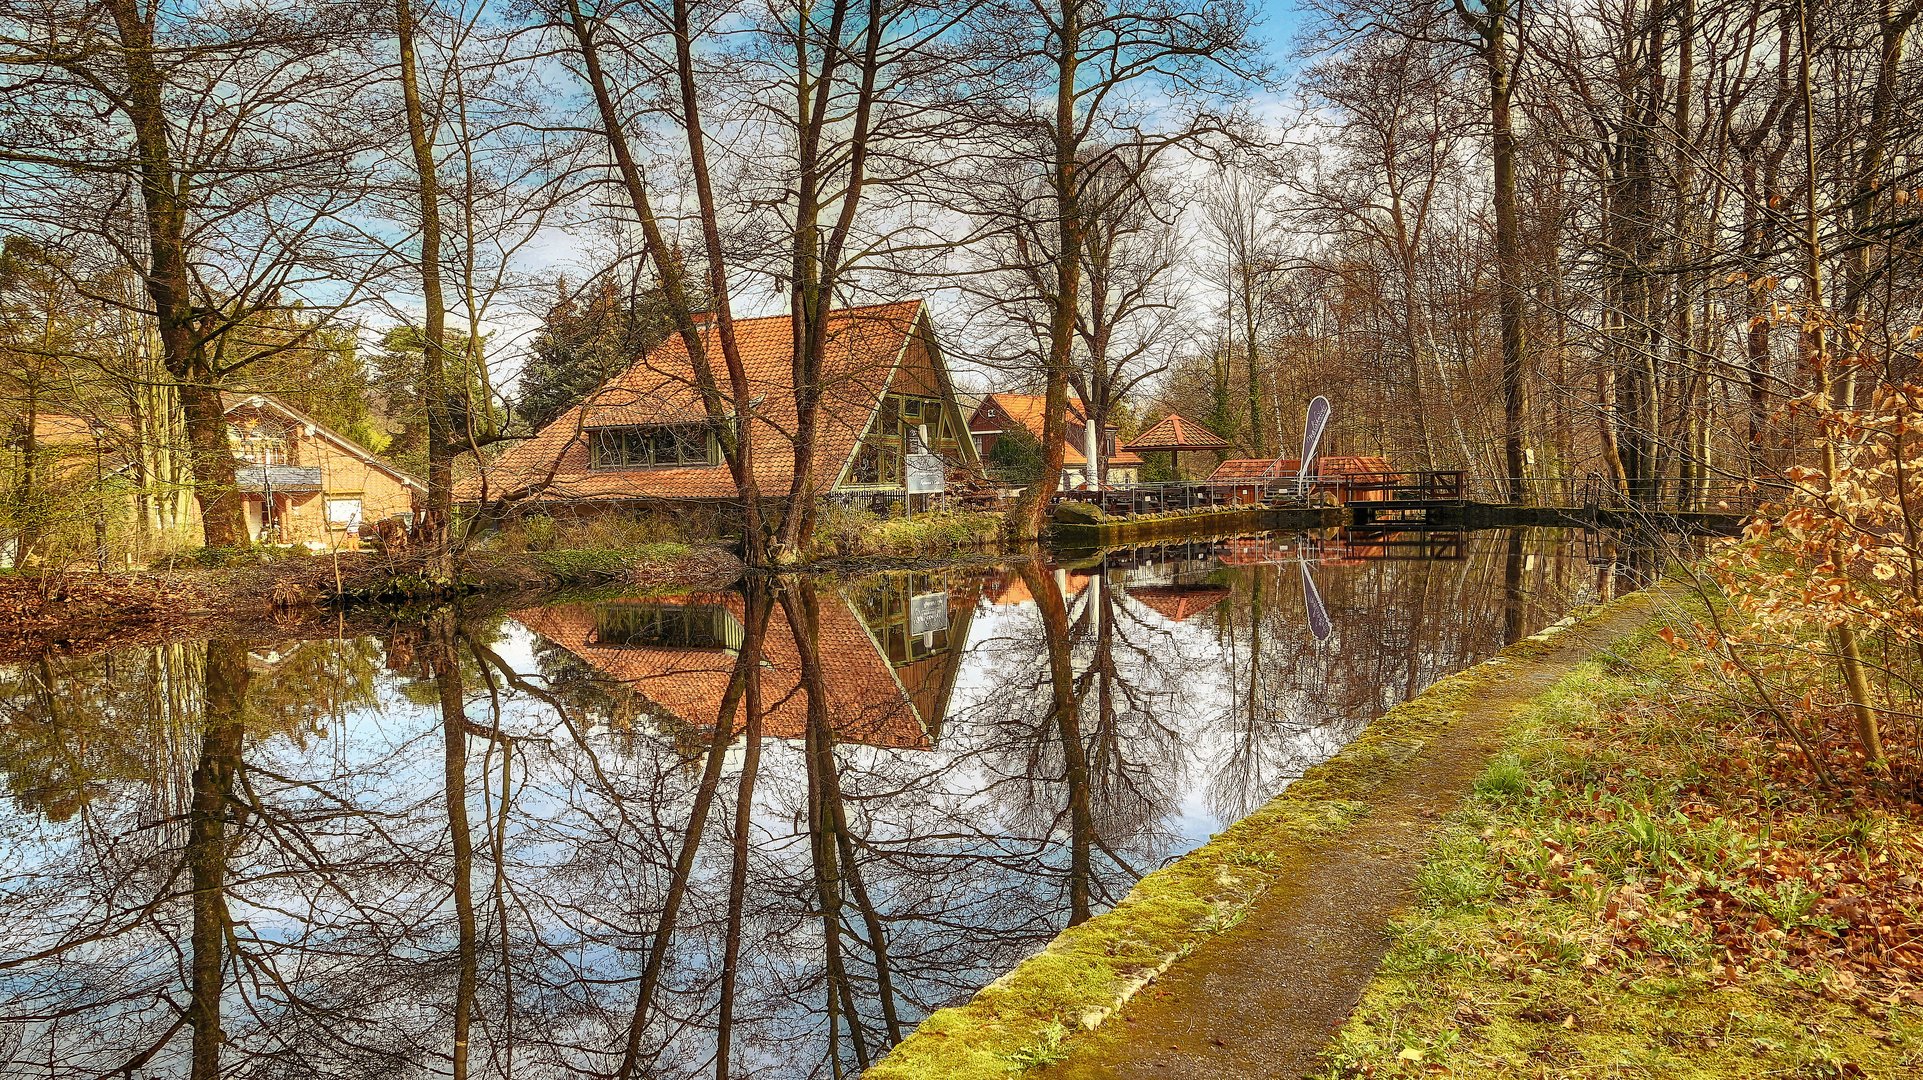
(660,446)
(867,466)
(691,445)
(693,626)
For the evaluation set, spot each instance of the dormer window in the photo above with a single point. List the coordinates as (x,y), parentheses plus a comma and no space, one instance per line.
(651,447)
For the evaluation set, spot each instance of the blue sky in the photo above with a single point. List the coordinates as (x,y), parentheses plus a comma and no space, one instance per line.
(1279,21)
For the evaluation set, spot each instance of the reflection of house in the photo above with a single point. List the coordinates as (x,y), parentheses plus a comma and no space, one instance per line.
(1334,474)
(1011,590)
(1178,603)
(886,673)
(644,435)
(999,414)
(303,484)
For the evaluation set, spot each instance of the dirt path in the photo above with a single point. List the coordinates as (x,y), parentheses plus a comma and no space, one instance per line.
(1263,999)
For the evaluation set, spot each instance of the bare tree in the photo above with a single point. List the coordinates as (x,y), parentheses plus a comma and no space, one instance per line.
(213,154)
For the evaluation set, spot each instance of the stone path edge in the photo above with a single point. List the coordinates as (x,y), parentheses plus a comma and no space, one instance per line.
(1087,972)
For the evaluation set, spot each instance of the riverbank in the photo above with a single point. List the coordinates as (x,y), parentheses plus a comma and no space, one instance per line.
(1240,958)
(1650,884)
(76,611)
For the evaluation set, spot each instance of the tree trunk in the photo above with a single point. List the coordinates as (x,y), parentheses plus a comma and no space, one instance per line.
(441,442)
(1509,264)
(1849,649)
(1064,305)
(169,286)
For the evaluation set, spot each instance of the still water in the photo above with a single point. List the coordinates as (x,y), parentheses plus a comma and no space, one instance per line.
(580,839)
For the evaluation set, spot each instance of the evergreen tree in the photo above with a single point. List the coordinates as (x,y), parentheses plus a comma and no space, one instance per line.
(586,339)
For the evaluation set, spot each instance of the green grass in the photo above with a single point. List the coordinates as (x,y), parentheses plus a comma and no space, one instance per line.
(1562,927)
(847,532)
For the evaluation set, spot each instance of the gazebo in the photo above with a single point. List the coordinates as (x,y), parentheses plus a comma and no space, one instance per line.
(1173,435)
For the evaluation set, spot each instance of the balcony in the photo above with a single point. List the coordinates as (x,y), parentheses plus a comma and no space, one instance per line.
(278,478)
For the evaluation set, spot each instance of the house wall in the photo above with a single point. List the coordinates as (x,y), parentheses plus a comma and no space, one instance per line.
(303,516)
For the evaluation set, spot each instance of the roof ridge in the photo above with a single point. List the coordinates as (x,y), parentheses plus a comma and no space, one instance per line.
(832,312)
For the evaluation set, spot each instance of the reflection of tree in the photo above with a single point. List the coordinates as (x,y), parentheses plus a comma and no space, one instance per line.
(487,867)
(223,725)
(72,729)
(444,663)
(837,871)
(1065,711)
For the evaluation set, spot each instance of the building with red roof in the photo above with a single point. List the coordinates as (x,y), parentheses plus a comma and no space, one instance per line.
(1349,477)
(1000,413)
(644,435)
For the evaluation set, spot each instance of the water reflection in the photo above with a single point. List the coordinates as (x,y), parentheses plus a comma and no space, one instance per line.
(756,833)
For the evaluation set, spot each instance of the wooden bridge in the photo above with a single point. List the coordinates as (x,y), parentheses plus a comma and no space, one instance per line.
(1428,499)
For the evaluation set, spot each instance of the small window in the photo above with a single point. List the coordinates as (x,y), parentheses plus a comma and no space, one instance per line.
(877,461)
(650,447)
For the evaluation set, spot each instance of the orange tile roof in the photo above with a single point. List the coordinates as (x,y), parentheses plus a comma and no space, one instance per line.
(865,702)
(1285,468)
(1179,603)
(1177,432)
(1012,589)
(1029,410)
(864,345)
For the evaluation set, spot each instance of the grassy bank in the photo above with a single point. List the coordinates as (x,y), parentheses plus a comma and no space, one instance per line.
(845,533)
(1029,1017)
(1645,884)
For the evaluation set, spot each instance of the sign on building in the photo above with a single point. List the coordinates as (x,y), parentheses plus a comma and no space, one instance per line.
(927,472)
(927,613)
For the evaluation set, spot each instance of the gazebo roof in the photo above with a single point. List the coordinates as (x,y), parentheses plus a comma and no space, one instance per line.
(1175,432)
(1179,603)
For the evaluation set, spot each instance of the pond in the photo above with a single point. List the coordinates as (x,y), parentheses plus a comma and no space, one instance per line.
(759,833)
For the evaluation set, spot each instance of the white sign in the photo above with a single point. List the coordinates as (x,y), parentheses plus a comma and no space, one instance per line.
(927,472)
(927,613)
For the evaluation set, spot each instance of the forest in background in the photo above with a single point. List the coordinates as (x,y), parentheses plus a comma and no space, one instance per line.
(1646,245)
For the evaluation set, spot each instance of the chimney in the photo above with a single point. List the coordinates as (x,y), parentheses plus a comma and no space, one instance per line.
(702,318)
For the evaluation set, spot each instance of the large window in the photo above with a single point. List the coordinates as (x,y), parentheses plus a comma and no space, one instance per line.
(900,424)
(259,448)
(650,447)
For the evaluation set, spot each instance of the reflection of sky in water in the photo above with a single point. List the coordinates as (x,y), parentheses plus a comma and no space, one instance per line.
(339,883)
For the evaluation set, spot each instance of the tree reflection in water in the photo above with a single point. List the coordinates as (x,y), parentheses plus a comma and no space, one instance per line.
(758,833)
